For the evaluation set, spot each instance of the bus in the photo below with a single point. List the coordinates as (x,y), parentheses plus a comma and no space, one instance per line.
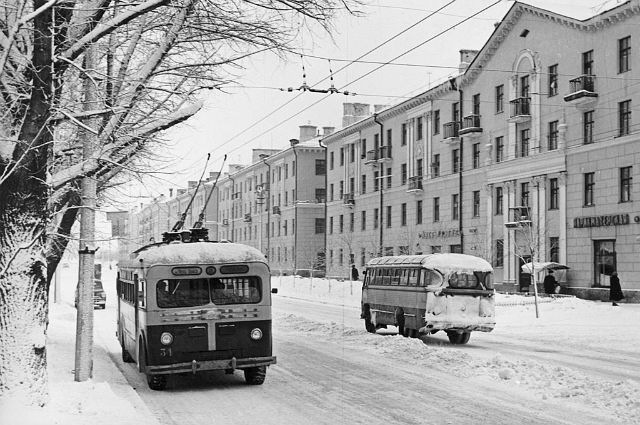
(191,307)
(424,294)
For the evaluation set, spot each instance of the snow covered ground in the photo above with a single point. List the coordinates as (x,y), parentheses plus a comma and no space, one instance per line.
(579,351)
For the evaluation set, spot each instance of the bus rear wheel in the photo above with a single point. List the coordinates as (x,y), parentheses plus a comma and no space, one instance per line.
(157,382)
(458,338)
(126,357)
(368,325)
(255,375)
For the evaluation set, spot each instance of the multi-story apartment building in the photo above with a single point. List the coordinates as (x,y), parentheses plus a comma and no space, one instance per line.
(277,203)
(529,152)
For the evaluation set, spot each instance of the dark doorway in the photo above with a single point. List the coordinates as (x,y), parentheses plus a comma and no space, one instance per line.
(524,279)
(604,261)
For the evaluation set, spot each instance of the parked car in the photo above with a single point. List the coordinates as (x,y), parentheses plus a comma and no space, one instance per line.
(99,296)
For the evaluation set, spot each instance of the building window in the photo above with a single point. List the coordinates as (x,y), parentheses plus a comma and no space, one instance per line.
(331,258)
(455,160)
(553,80)
(376,141)
(342,156)
(341,223)
(436,249)
(376,181)
(589,184)
(341,257)
(403,250)
(524,86)
(389,178)
(624,52)
(553,136)
(499,148)
(321,194)
(331,192)
(435,165)
(476,104)
(625,184)
(587,63)
(352,185)
(403,214)
(554,249)
(331,160)
(319,225)
(341,193)
(286,169)
(352,152)
(363,220)
(436,209)
(419,128)
(500,99)
(436,122)
(499,200)
(363,148)
(418,212)
(524,194)
(553,194)
(403,174)
(455,206)
(389,139)
(476,155)
(624,117)
(405,135)
(363,257)
(587,127)
(476,203)
(388,250)
(376,218)
(455,249)
(321,167)
(524,142)
(388,215)
(331,225)
(498,260)
(363,184)
(352,222)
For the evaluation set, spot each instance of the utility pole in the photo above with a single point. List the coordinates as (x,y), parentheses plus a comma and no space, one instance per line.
(87,248)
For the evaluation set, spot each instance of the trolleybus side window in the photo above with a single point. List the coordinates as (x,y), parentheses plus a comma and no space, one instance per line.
(414,277)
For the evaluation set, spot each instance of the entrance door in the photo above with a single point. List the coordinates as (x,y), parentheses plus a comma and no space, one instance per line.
(604,261)
(524,279)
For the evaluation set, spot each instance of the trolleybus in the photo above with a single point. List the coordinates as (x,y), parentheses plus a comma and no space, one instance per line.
(190,307)
(423,294)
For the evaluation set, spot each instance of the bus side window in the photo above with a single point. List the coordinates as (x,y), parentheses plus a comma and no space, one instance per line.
(412,277)
(386,277)
(142,293)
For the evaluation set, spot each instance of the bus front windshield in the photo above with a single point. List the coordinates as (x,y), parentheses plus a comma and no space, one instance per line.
(174,293)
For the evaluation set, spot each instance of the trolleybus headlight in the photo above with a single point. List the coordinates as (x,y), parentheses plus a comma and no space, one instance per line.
(256,334)
(166,338)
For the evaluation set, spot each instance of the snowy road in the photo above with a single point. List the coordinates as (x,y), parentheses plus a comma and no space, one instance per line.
(330,371)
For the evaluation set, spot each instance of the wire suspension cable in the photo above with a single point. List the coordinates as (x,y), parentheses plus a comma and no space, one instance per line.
(183,216)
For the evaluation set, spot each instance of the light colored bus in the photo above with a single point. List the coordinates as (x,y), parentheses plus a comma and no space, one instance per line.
(191,307)
(423,294)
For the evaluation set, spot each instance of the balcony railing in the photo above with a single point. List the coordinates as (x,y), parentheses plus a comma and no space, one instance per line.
(582,90)
(519,217)
(415,184)
(471,124)
(276,210)
(237,195)
(349,199)
(383,153)
(520,109)
(247,218)
(450,131)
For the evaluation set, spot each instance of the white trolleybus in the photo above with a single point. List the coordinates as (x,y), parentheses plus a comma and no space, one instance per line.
(423,294)
(187,306)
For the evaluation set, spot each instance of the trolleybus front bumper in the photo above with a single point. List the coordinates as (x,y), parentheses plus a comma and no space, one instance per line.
(201,366)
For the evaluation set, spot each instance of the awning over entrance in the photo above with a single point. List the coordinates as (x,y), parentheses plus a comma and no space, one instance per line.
(538,267)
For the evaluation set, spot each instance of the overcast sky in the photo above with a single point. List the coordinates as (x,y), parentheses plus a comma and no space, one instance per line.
(235,123)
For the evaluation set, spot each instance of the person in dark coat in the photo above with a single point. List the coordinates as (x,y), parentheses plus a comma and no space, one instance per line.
(550,283)
(615,290)
(354,273)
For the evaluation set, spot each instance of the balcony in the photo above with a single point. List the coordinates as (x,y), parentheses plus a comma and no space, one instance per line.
(450,132)
(582,91)
(236,196)
(471,125)
(349,200)
(415,184)
(276,211)
(519,217)
(225,221)
(381,154)
(520,110)
(263,187)
(247,218)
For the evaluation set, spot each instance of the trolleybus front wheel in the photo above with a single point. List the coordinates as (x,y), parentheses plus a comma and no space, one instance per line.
(157,382)
(458,337)
(255,375)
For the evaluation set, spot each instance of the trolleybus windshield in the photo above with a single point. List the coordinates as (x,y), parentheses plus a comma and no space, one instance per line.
(174,293)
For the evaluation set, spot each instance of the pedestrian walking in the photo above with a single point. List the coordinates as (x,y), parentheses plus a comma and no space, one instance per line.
(354,273)
(550,284)
(615,290)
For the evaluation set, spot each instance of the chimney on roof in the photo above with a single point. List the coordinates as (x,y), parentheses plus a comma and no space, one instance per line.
(263,156)
(192,184)
(307,132)
(294,142)
(466,57)
(170,192)
(328,130)
(378,108)
(354,112)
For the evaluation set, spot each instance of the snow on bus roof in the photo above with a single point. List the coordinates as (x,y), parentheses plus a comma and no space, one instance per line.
(444,263)
(199,252)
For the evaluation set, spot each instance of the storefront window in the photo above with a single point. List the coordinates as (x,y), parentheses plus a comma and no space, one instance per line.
(604,261)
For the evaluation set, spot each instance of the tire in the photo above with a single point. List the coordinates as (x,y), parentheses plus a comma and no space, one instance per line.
(255,375)
(157,382)
(413,333)
(458,338)
(142,357)
(370,327)
(400,323)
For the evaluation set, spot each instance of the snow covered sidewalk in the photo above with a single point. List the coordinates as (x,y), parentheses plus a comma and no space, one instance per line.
(106,399)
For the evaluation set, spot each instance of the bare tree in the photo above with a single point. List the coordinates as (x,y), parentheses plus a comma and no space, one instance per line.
(153,59)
